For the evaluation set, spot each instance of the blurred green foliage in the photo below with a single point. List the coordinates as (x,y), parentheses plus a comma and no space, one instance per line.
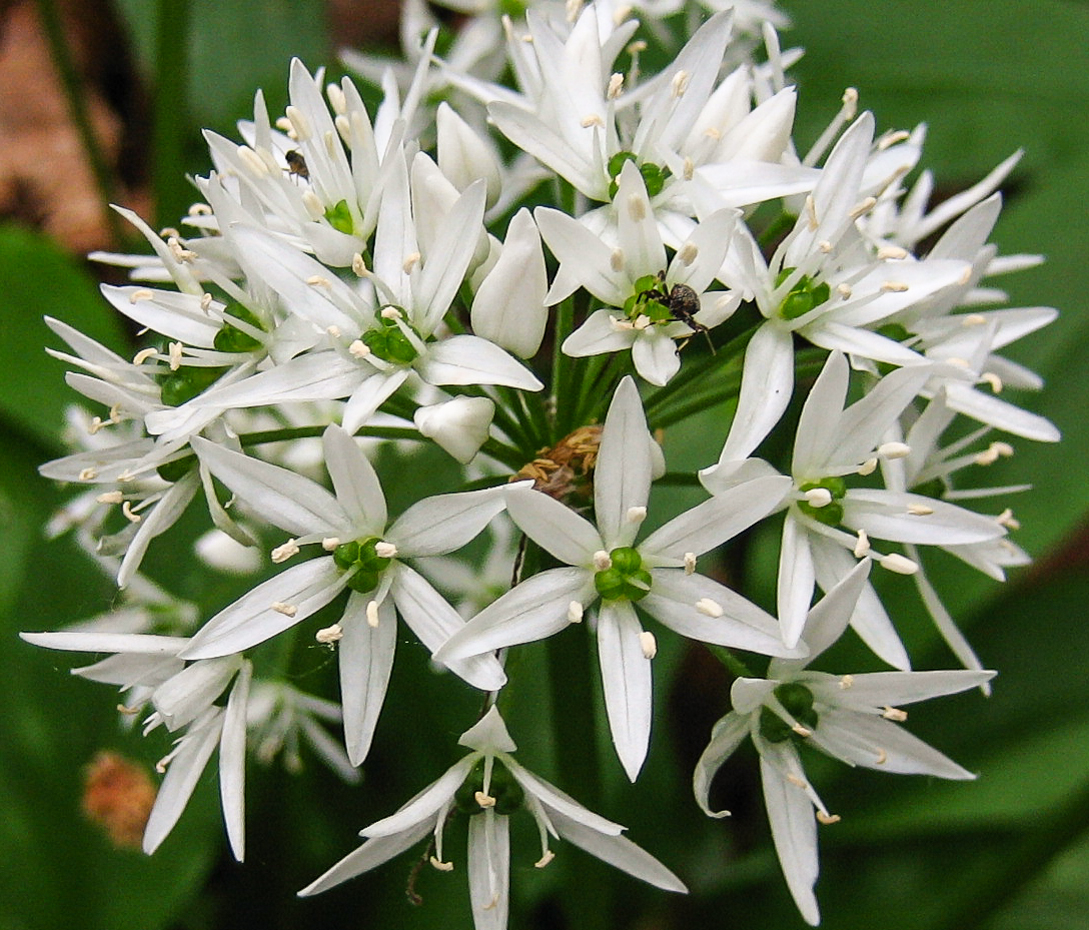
(988,77)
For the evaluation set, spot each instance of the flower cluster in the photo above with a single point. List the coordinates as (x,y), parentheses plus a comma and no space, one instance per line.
(374,275)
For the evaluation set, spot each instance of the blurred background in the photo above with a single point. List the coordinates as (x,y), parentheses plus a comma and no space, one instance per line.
(103,101)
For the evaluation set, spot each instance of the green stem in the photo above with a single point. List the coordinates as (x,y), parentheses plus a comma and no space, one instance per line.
(563,368)
(733,664)
(169,130)
(79,111)
(700,370)
(1020,865)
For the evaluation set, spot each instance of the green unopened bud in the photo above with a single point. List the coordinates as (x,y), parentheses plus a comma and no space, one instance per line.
(340,217)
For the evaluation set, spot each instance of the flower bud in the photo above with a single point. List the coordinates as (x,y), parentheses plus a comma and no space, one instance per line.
(464,156)
(460,425)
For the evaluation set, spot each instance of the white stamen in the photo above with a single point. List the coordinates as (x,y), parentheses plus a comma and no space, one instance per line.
(206,301)
(973,319)
(862,546)
(333,330)
(894,450)
(844,290)
(330,543)
(620,14)
(199,209)
(989,377)
(796,781)
(288,610)
(385,550)
(110,497)
(602,562)
(336,98)
(846,682)
(87,474)
(882,757)
(313,205)
(344,128)
(920,510)
(410,262)
(316,280)
(689,168)
(484,800)
(894,714)
(142,294)
(440,865)
(143,355)
(574,612)
(392,313)
(372,614)
(359,266)
(868,467)
(811,213)
(252,161)
(818,497)
(298,122)
(636,514)
(893,252)
(616,86)
(895,287)
(359,349)
(592,120)
(1007,519)
(802,731)
(284,125)
(175,355)
(679,84)
(850,103)
(648,644)
(709,607)
(889,140)
(548,856)
(899,564)
(285,551)
(827,819)
(689,563)
(616,260)
(641,322)
(329,635)
(864,207)
(825,246)
(637,208)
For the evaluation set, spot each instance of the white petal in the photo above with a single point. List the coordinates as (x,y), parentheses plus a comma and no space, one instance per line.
(448,260)
(885,515)
(725,738)
(424,806)
(795,581)
(232,762)
(598,335)
(583,256)
(174,315)
(284,498)
(354,480)
(371,854)
(489,870)
(314,376)
(637,227)
(459,426)
(365,657)
(999,413)
(870,741)
(742,625)
(162,516)
(434,621)
(445,522)
(533,610)
(181,778)
(559,803)
(818,426)
(794,830)
(489,734)
(122,643)
(618,851)
(623,469)
(554,526)
(188,694)
(369,395)
(830,616)
(714,521)
(626,677)
(874,690)
(655,356)
(472,360)
(252,619)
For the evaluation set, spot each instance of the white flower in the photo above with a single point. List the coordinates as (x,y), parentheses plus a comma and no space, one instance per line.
(488,785)
(848,717)
(605,565)
(362,554)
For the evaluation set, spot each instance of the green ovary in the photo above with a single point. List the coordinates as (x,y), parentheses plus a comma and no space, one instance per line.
(389,343)
(362,555)
(508,794)
(830,514)
(625,579)
(797,700)
(803,297)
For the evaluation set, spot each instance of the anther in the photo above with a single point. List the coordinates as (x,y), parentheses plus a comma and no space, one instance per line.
(637,208)
(298,122)
(592,120)
(709,607)
(868,467)
(313,205)
(864,207)
(574,612)
(889,140)
(252,161)
(142,294)
(850,103)
(989,377)
(689,563)
(899,564)
(796,781)
(87,474)
(288,610)
(205,301)
(548,856)
(602,562)
(679,84)
(616,260)
(616,85)
(882,757)
(126,509)
(440,865)
(336,98)
(894,714)
(385,550)
(894,450)
(894,287)
(688,253)
(862,545)
(636,514)
(648,644)
(317,280)
(689,168)
(844,290)
(169,232)
(110,497)
(392,313)
(333,330)
(372,614)
(199,209)
(920,510)
(892,252)
(827,819)
(818,497)
(484,800)
(175,356)
(846,681)
(330,543)
(802,731)
(825,246)
(284,125)
(143,355)
(285,551)
(811,213)
(411,261)
(641,322)
(1007,519)
(359,266)
(359,349)
(329,635)
(973,319)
